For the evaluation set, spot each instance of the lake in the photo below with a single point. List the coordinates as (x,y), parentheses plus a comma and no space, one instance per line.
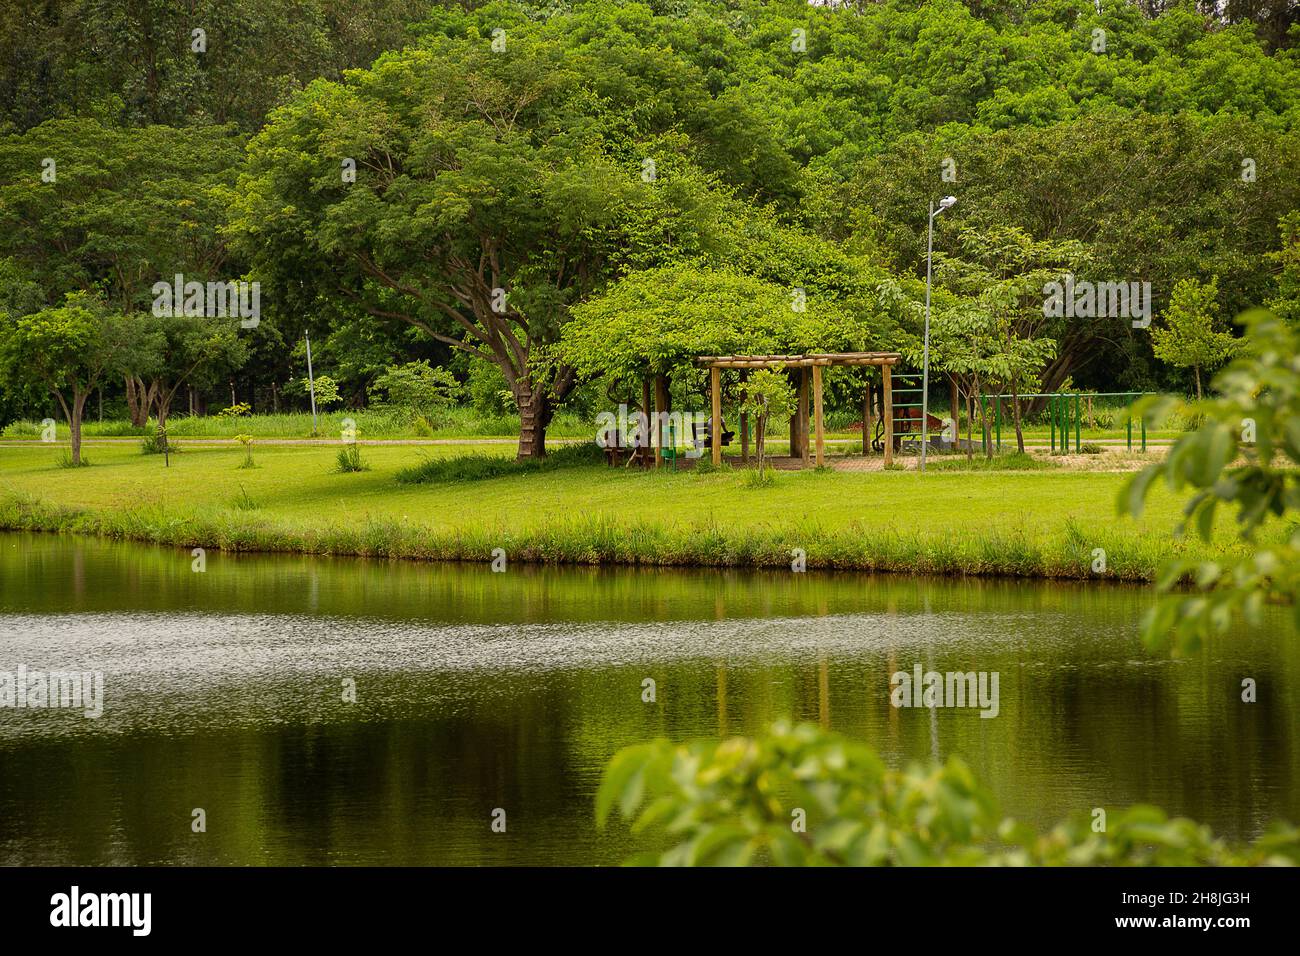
(340,710)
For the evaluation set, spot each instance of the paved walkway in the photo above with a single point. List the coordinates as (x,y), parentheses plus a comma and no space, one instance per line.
(183,440)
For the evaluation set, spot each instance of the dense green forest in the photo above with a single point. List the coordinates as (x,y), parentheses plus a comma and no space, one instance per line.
(420,183)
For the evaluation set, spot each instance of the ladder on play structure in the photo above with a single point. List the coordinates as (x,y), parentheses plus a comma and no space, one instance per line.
(907,413)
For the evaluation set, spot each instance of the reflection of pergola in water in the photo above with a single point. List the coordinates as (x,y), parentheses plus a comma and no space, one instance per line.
(799,421)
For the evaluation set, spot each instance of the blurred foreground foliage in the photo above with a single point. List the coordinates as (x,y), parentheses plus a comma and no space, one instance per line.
(802,796)
(1243,458)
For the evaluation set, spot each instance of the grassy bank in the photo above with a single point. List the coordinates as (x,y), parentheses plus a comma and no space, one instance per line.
(1025,523)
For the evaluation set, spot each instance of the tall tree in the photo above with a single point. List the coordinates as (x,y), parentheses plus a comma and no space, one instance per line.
(1192,335)
(173,349)
(493,191)
(67,349)
(1004,272)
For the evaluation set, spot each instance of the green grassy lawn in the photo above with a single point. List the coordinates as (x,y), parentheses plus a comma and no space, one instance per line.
(1027,522)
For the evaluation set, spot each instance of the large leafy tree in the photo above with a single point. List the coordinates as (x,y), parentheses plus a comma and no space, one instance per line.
(177,349)
(1002,272)
(86,206)
(657,321)
(494,190)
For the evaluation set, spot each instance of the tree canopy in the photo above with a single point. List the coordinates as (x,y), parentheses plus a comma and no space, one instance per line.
(657,321)
(416,182)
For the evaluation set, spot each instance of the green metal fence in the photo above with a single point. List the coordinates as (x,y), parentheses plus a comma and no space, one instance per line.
(1064,415)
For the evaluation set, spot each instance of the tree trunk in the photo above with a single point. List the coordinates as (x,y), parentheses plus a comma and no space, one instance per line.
(534,415)
(74,423)
(970,423)
(1197,369)
(1015,414)
(138,401)
(984,423)
(164,408)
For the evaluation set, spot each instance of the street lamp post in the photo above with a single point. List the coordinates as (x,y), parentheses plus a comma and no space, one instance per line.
(311,386)
(945,203)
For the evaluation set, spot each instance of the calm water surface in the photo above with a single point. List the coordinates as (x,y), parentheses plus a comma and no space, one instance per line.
(474,690)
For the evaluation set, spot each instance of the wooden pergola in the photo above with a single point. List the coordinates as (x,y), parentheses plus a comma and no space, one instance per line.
(799,421)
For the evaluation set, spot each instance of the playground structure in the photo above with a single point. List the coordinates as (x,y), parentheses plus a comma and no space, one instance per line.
(1061,418)
(885,422)
(888,425)
(807,424)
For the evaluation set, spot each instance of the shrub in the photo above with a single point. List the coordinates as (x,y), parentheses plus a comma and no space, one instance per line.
(483,467)
(152,444)
(416,387)
(349,459)
(488,390)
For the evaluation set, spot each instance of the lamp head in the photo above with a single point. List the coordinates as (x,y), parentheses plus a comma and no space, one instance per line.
(947,202)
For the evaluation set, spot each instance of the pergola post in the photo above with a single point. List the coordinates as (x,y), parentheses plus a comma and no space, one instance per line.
(715,389)
(661,406)
(794,422)
(744,418)
(866,416)
(817,414)
(803,415)
(887,412)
